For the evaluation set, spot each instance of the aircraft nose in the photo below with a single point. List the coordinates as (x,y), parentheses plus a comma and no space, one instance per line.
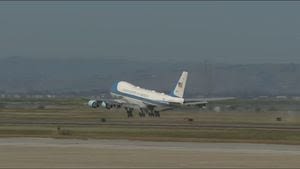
(114,87)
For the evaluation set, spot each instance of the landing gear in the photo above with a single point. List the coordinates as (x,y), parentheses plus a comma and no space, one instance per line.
(154,113)
(151,114)
(129,112)
(142,113)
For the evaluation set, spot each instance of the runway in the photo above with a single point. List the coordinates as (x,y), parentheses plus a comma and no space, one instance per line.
(71,153)
(143,124)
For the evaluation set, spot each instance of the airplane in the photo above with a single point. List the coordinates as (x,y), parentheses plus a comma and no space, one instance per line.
(148,102)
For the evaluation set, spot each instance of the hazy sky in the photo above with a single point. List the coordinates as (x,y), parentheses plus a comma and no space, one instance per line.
(230,32)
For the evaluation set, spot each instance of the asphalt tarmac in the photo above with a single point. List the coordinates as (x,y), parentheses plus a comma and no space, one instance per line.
(74,153)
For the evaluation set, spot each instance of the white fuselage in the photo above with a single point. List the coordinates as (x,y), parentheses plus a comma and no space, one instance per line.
(136,95)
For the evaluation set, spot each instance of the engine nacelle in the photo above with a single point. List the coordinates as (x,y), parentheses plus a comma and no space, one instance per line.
(103,104)
(203,106)
(93,103)
(106,105)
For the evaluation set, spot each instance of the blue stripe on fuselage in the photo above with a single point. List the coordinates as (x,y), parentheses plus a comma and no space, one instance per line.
(114,90)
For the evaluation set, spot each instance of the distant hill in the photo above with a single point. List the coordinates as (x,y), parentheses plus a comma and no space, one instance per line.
(24,75)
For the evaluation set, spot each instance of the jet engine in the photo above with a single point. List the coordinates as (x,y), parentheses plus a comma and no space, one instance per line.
(203,106)
(93,103)
(106,105)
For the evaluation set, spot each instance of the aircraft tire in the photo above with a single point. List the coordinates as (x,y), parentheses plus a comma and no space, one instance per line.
(129,114)
(156,114)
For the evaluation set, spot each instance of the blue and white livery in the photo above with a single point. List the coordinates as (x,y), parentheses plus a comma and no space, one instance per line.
(148,102)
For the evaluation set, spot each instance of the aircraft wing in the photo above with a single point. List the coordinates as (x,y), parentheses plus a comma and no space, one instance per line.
(207,99)
(107,103)
(203,101)
(112,101)
(195,102)
(219,98)
(116,103)
(168,106)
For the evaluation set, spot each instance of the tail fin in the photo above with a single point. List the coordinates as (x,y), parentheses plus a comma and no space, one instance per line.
(180,86)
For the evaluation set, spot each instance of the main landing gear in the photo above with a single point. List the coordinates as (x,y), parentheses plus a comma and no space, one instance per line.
(151,113)
(154,113)
(129,112)
(142,113)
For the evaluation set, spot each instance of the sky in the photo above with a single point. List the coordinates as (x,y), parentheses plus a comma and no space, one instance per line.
(222,32)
